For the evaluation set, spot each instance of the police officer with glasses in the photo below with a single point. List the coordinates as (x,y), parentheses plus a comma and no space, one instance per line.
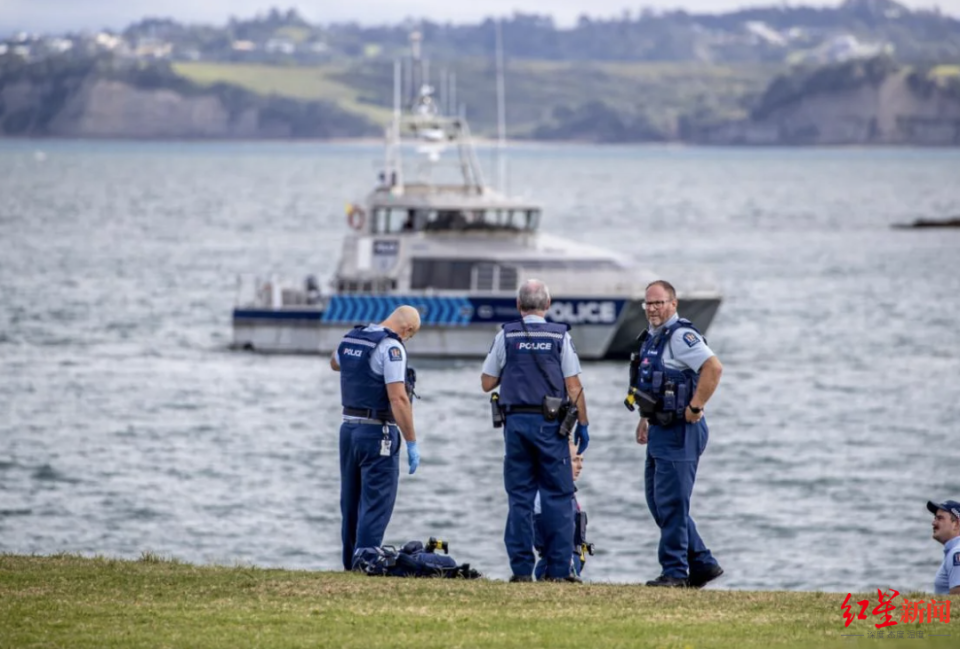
(673,375)
(372,362)
(537,368)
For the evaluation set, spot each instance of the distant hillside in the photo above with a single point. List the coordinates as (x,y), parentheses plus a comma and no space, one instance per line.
(105,97)
(862,102)
(595,101)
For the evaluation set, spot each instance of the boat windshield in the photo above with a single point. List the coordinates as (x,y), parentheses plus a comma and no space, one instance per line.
(409,219)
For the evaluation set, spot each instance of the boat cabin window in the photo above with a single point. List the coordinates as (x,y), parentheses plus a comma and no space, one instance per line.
(366,286)
(493,277)
(462,275)
(404,219)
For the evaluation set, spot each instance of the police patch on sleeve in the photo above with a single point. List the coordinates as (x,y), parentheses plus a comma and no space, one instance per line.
(956,558)
(395,354)
(691,339)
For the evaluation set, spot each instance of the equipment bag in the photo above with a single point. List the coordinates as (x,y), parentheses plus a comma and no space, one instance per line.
(412,560)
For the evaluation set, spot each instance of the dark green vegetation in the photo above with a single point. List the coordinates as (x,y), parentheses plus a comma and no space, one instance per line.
(67,601)
(635,35)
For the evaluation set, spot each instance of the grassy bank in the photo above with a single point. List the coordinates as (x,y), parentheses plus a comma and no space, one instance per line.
(295,82)
(69,601)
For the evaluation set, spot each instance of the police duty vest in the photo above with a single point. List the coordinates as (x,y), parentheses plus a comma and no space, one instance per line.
(360,387)
(673,388)
(533,365)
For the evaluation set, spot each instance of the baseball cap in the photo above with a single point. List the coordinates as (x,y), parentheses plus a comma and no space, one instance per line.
(951,506)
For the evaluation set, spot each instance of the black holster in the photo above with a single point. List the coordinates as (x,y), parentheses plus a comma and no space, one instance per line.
(580,529)
(552,408)
(496,412)
(665,418)
(647,403)
(410,383)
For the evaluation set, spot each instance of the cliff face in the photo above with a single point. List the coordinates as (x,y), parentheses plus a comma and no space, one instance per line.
(87,102)
(105,108)
(113,109)
(894,111)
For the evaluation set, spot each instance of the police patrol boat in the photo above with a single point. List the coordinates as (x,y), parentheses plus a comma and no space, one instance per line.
(456,249)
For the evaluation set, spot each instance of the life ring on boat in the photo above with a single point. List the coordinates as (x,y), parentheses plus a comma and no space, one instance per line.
(356,217)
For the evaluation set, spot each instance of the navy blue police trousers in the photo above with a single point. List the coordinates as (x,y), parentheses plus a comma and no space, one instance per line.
(576,565)
(673,454)
(537,458)
(368,485)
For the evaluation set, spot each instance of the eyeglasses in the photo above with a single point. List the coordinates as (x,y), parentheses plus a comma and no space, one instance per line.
(655,305)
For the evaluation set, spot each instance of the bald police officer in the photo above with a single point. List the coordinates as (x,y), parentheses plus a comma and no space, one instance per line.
(676,374)
(946,530)
(372,362)
(532,359)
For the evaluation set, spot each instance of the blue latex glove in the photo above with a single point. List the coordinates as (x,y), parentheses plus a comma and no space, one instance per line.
(413,456)
(582,437)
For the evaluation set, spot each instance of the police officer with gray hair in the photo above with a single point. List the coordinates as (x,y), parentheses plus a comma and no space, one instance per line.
(538,371)
(673,374)
(372,362)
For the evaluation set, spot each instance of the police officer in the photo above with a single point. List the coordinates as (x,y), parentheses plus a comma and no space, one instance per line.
(676,374)
(372,363)
(946,530)
(580,546)
(531,360)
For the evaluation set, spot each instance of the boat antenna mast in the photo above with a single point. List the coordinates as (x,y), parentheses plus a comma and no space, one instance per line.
(394,162)
(421,112)
(501,114)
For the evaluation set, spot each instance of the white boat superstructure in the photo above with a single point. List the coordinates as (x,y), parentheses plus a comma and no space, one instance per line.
(435,236)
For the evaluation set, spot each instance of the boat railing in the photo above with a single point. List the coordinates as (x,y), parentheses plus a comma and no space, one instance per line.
(274,292)
(572,281)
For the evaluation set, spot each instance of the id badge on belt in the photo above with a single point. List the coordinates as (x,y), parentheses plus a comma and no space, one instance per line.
(385,442)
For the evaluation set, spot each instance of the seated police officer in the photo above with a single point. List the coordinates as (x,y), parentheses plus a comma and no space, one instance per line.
(580,546)
(673,375)
(372,362)
(536,367)
(946,530)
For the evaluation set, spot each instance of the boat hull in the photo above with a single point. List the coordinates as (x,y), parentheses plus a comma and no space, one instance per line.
(601,328)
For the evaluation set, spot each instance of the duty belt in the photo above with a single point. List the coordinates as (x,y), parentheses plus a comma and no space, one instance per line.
(372,422)
(379,416)
(520,410)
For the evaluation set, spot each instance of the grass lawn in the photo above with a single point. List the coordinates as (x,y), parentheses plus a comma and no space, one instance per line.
(70,601)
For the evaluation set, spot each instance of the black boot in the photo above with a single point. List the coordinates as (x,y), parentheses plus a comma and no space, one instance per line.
(516,579)
(569,578)
(669,582)
(700,578)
